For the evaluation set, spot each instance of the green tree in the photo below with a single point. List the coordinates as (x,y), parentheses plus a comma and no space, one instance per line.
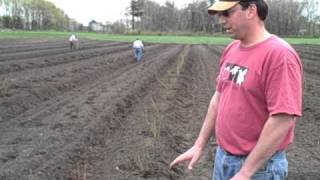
(33,14)
(6,21)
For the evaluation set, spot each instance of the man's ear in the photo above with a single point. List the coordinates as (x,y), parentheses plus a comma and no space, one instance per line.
(252,11)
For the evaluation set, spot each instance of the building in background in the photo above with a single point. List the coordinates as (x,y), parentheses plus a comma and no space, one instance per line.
(97,26)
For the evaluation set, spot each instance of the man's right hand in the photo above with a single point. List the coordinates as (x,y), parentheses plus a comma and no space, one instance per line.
(192,155)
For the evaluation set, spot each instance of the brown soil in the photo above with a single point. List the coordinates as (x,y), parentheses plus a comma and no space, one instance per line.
(94,113)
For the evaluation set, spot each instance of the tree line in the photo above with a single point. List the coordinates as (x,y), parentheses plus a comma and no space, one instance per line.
(33,15)
(286,17)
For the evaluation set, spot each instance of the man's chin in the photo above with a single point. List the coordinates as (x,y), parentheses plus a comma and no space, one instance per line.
(232,36)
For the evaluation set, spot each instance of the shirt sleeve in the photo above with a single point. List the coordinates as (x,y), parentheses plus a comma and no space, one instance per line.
(284,87)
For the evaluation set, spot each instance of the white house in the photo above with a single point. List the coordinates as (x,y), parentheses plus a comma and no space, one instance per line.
(96,26)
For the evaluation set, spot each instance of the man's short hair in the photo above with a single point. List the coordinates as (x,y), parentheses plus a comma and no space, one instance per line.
(262,7)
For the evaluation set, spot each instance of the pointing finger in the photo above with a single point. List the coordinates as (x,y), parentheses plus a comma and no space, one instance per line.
(179,159)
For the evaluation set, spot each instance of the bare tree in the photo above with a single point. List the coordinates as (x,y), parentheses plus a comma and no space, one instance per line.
(312,10)
(136,10)
(285,17)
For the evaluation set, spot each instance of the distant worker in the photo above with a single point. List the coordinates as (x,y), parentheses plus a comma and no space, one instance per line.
(138,49)
(74,42)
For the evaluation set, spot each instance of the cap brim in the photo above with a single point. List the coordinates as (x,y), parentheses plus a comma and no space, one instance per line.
(221,6)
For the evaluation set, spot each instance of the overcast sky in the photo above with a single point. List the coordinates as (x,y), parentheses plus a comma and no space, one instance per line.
(84,11)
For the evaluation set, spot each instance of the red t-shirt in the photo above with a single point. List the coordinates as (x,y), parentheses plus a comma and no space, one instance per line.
(254,83)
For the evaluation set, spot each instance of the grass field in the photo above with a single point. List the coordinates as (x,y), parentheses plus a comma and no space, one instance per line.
(146,38)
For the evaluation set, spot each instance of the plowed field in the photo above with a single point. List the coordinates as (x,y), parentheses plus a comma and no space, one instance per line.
(94,113)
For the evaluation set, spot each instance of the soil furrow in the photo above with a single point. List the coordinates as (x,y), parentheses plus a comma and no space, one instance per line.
(54,81)
(62,43)
(35,63)
(73,106)
(55,51)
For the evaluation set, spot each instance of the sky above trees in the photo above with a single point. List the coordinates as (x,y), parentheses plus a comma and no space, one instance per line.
(101,10)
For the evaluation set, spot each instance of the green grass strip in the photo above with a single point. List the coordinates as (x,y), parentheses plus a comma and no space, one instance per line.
(172,39)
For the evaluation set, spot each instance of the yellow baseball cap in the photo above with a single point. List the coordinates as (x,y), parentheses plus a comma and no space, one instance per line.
(222,5)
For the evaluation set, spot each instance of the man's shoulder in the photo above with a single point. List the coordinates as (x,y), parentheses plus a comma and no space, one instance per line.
(279,44)
(137,42)
(281,52)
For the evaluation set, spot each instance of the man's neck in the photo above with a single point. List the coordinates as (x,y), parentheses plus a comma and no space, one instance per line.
(256,35)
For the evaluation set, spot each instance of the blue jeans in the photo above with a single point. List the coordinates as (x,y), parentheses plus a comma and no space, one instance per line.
(138,54)
(227,165)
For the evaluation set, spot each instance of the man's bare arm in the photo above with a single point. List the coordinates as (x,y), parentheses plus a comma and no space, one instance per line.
(273,134)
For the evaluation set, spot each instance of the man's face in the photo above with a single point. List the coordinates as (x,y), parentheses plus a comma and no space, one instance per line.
(233,20)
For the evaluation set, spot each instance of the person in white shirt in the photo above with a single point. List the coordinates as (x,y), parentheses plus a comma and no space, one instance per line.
(138,49)
(73,40)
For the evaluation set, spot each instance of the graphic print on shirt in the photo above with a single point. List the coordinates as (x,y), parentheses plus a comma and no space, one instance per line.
(237,73)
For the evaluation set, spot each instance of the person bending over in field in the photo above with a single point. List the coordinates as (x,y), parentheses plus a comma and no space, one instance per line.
(74,42)
(138,49)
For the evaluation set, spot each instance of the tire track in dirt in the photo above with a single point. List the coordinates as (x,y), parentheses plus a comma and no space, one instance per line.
(304,152)
(310,58)
(30,45)
(217,49)
(148,141)
(33,47)
(17,43)
(104,111)
(123,158)
(195,88)
(55,51)
(34,124)
(44,62)
(44,84)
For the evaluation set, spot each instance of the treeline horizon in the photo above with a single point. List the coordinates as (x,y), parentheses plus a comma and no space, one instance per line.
(33,15)
(286,17)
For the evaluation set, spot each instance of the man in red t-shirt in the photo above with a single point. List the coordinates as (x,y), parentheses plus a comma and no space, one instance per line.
(257,100)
